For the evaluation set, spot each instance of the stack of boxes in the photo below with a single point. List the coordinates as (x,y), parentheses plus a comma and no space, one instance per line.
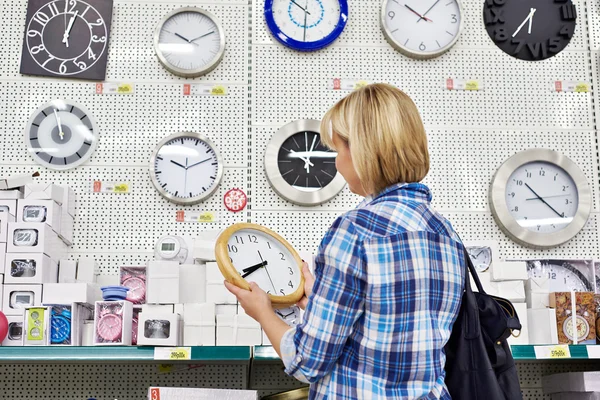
(572,386)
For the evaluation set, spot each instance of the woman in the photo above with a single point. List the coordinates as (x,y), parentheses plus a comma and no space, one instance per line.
(388,275)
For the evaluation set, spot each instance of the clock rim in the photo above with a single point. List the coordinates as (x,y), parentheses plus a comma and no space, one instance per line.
(232,276)
(190,73)
(509,225)
(279,35)
(56,103)
(419,55)
(191,200)
(279,184)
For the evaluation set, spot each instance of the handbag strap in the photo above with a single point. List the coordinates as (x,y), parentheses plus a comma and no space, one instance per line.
(471,271)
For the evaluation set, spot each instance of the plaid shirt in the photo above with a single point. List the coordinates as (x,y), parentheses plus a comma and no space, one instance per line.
(389,282)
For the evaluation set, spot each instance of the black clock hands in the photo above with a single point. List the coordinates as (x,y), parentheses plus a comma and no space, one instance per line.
(267,271)
(544,201)
(201,36)
(299,6)
(419,15)
(427,12)
(305,18)
(249,270)
(184,38)
(180,165)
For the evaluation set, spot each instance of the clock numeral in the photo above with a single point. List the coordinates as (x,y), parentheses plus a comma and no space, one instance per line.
(491,3)
(291,270)
(520,44)
(48,60)
(252,238)
(73,5)
(568,12)
(239,240)
(567,201)
(290,284)
(554,47)
(552,275)
(91,55)
(422,46)
(33,33)
(80,64)
(535,48)
(99,22)
(565,188)
(519,183)
(41,18)
(529,174)
(53,9)
(494,16)
(566,31)
(282,256)
(37,49)
(542,173)
(85,11)
(454,19)
(500,35)
(232,248)
(282,292)
(512,194)
(391,14)
(516,208)
(63,67)
(269,244)
(95,39)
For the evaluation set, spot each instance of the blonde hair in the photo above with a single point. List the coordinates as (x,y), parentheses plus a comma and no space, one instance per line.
(385,134)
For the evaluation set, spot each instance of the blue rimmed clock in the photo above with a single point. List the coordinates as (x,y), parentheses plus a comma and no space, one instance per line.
(60,324)
(306,25)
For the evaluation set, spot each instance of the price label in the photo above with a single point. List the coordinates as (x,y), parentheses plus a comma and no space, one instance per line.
(154,394)
(593,351)
(571,86)
(173,353)
(204,89)
(115,88)
(235,200)
(347,84)
(111,187)
(463,84)
(550,352)
(203,217)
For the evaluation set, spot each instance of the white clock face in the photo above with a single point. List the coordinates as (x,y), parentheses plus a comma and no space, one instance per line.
(422,26)
(481,256)
(542,197)
(190,41)
(61,135)
(262,259)
(290,315)
(306,20)
(563,276)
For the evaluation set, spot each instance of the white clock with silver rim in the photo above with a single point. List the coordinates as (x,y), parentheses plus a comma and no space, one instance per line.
(540,198)
(189,42)
(186,168)
(61,135)
(422,29)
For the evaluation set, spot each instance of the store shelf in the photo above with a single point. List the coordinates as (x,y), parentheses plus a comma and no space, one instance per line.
(115,353)
(265,353)
(579,352)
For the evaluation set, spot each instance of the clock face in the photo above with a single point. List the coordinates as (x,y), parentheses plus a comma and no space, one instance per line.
(61,135)
(261,258)
(542,197)
(422,29)
(306,25)
(481,256)
(67,38)
(564,276)
(189,42)
(530,30)
(137,290)
(581,325)
(109,327)
(186,168)
(291,315)
(305,163)
(61,329)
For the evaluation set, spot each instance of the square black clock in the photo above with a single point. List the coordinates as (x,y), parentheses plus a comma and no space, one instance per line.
(67,38)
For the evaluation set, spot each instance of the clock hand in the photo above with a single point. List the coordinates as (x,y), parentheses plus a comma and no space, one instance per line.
(185,177)
(531,12)
(305,18)
(255,267)
(479,254)
(531,21)
(181,37)
(543,201)
(549,197)
(427,12)
(65,39)
(200,37)
(305,159)
(176,163)
(299,6)
(203,161)
(60,129)
(267,271)
(420,16)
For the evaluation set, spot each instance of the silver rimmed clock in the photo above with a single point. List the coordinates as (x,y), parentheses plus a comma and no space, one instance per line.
(299,167)
(189,42)
(540,198)
(186,168)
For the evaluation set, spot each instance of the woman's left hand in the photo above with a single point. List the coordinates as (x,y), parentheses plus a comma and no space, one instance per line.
(255,301)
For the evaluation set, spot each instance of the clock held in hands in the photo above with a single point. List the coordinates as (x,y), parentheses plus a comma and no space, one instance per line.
(67,38)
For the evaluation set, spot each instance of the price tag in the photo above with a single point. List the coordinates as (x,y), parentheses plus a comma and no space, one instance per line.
(173,353)
(347,84)
(571,86)
(463,84)
(203,217)
(115,88)
(235,200)
(204,89)
(550,352)
(111,187)
(593,351)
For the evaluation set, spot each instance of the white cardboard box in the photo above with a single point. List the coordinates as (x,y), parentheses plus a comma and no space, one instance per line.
(17,181)
(14,297)
(523,338)
(544,321)
(199,324)
(5,219)
(38,211)
(111,311)
(265,339)
(204,245)
(30,268)
(15,331)
(2,260)
(44,191)
(163,393)
(26,237)
(87,335)
(225,330)
(158,308)
(86,270)
(192,283)
(216,292)
(486,281)
(10,194)
(162,282)
(509,271)
(69,200)
(159,329)
(108,280)
(247,331)
(538,285)
(79,314)
(538,300)
(510,290)
(66,293)
(67,271)
(226,309)
(11,205)
(67,226)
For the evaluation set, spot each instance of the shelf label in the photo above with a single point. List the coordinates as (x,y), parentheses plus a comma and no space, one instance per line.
(115,88)
(204,89)
(463,84)
(203,217)
(111,187)
(154,394)
(593,351)
(551,352)
(173,353)
(571,86)
(348,84)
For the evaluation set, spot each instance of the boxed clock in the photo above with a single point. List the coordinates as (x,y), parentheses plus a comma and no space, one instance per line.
(36,322)
(30,268)
(43,191)
(67,293)
(216,292)
(199,324)
(16,297)
(135,279)
(113,323)
(67,271)
(66,323)
(162,282)
(5,219)
(575,317)
(192,283)
(9,207)
(15,331)
(159,329)
(46,211)
(246,331)
(564,275)
(25,237)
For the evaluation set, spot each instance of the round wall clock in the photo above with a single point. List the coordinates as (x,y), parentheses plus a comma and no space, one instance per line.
(563,275)
(249,252)
(530,30)
(299,167)
(189,42)
(61,135)
(540,198)
(421,29)
(306,25)
(186,168)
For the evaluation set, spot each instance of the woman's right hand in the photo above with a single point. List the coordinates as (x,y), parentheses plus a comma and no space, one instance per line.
(309,281)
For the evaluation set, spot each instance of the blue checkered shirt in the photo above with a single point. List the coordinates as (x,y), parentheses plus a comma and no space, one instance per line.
(389,281)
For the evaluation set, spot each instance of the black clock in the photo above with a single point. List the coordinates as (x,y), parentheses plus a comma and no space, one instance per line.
(67,38)
(530,30)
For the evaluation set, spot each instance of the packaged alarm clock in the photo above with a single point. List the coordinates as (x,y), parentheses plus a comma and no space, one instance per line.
(134,278)
(113,323)
(155,329)
(36,323)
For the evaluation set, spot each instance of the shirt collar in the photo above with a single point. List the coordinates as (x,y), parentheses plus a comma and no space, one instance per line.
(413,191)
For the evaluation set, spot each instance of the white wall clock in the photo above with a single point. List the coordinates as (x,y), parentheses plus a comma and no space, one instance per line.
(422,29)
(186,168)
(540,198)
(189,42)
(306,25)
(299,167)
(61,135)
(483,253)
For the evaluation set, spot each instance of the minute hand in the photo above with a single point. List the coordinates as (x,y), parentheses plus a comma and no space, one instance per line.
(426,12)
(543,201)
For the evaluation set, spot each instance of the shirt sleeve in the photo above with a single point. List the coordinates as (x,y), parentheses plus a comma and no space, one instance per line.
(336,303)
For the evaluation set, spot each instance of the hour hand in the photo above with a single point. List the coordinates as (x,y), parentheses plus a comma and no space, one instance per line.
(180,165)
(249,270)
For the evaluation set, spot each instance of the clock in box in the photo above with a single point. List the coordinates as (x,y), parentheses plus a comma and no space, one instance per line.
(67,293)
(46,211)
(192,283)
(67,225)
(16,297)
(216,292)
(564,275)
(15,331)
(113,322)
(68,202)
(162,282)
(30,268)
(36,321)
(135,279)
(575,312)
(225,330)
(26,237)
(86,270)
(66,323)
(67,271)
(44,191)
(199,324)
(543,326)
(9,207)
(5,219)
(159,329)
(246,331)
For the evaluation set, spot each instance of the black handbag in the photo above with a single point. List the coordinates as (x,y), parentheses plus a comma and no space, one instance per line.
(479,364)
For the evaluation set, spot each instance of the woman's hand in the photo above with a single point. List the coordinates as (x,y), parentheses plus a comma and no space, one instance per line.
(255,301)
(309,281)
